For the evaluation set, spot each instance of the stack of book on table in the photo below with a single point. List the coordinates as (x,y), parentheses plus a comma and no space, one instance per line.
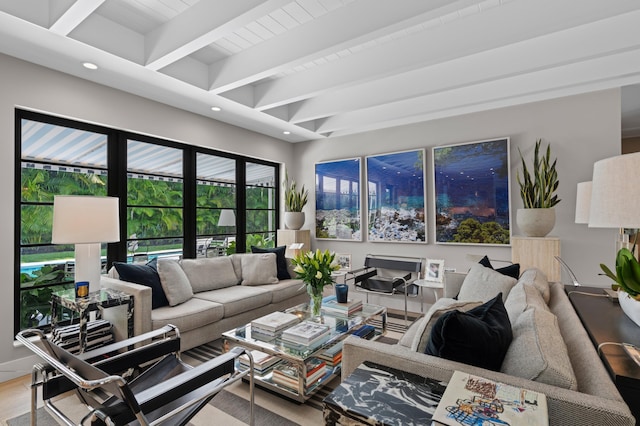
(333,307)
(332,355)
(287,374)
(307,333)
(268,326)
(366,332)
(262,362)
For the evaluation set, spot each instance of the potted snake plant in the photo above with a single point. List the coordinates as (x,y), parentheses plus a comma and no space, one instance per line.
(294,201)
(538,192)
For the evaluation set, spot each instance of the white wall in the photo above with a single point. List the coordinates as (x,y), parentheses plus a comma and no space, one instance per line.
(29,86)
(581,129)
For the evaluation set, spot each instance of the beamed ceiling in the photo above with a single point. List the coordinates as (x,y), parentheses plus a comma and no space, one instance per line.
(320,68)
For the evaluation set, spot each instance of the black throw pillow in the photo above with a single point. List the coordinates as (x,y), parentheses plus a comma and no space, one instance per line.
(146,274)
(480,336)
(281,261)
(510,270)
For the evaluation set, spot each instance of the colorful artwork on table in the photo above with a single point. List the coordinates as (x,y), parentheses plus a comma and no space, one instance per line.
(471,190)
(396,197)
(338,200)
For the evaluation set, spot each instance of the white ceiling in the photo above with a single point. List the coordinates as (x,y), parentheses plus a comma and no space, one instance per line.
(318,68)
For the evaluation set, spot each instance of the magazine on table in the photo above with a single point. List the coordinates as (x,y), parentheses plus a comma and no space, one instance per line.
(474,400)
(275,321)
(305,332)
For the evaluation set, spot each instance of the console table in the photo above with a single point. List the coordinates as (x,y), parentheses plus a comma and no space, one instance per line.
(605,322)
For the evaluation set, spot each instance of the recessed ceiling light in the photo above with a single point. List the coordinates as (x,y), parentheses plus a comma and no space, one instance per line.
(216,108)
(286,132)
(90,66)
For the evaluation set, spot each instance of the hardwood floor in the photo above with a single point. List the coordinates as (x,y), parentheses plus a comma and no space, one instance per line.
(15,398)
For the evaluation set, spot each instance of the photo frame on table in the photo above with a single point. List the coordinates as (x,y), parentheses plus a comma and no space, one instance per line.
(338,214)
(471,193)
(434,270)
(344,260)
(396,197)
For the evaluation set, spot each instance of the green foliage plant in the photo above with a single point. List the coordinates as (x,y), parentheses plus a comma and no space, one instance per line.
(627,274)
(294,199)
(314,268)
(538,188)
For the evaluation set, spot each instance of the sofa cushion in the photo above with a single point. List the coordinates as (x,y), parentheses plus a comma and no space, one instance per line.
(237,299)
(146,274)
(258,269)
(190,315)
(509,270)
(480,336)
(523,297)
(538,351)
(285,289)
(281,260)
(209,273)
(174,281)
(419,342)
(537,278)
(482,283)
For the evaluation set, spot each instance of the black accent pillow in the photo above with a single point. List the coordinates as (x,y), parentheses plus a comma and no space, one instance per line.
(146,274)
(510,270)
(281,260)
(480,336)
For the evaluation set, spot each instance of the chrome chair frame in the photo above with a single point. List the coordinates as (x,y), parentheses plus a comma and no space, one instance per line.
(101,379)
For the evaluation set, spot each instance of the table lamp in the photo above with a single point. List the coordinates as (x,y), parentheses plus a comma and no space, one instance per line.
(583,202)
(227,218)
(86,221)
(615,195)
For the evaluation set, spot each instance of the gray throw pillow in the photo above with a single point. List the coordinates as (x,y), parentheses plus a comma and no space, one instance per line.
(209,274)
(484,284)
(174,281)
(259,268)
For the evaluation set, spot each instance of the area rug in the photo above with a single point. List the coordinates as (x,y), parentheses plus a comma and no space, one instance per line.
(230,407)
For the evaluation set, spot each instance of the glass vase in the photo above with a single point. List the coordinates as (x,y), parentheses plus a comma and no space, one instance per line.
(316,301)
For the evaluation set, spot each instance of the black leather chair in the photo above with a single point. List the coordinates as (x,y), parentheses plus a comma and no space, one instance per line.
(141,380)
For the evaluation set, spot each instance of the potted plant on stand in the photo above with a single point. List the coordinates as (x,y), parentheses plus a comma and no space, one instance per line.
(294,201)
(537,190)
(627,277)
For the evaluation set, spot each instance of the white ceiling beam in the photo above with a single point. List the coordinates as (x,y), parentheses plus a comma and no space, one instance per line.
(543,52)
(425,48)
(201,25)
(590,75)
(74,16)
(347,28)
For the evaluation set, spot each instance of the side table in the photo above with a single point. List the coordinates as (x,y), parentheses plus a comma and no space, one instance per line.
(605,322)
(435,286)
(96,302)
(378,395)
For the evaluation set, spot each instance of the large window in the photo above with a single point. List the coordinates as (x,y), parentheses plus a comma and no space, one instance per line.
(176,200)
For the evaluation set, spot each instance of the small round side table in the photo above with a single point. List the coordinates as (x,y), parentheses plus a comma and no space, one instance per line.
(434,285)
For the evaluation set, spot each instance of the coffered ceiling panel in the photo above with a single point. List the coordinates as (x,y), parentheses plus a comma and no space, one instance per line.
(317,68)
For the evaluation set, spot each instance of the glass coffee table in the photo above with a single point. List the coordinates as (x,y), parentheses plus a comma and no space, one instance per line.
(296,364)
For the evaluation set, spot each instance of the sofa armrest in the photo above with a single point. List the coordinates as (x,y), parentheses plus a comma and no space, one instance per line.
(566,407)
(141,302)
(452,283)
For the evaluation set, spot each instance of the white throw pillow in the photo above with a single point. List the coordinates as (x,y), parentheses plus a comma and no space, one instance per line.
(484,284)
(259,268)
(174,281)
(209,274)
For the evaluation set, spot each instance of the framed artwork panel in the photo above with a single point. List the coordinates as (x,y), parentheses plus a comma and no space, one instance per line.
(338,200)
(471,193)
(396,197)
(344,260)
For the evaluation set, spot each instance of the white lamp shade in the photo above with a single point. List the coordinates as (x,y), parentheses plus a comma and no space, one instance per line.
(227,218)
(615,192)
(85,219)
(583,202)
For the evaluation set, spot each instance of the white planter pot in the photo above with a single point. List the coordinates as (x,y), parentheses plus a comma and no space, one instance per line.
(630,306)
(536,222)
(293,220)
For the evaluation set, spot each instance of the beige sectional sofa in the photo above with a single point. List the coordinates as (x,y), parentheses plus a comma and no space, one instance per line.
(550,351)
(212,295)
